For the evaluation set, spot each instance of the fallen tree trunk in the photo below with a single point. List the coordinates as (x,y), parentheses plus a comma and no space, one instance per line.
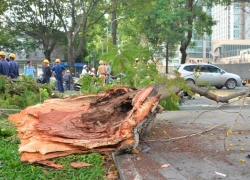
(112,120)
(93,123)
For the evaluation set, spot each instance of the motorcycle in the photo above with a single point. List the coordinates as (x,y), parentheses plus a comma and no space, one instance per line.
(76,84)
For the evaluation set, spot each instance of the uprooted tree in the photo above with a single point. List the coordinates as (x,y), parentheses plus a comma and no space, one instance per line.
(112,120)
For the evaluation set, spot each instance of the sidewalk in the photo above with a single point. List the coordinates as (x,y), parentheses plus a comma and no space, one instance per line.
(197,157)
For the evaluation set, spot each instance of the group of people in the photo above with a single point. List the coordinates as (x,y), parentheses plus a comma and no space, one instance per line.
(47,72)
(104,72)
(58,70)
(8,66)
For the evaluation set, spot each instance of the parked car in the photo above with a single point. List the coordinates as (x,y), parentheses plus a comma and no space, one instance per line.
(208,74)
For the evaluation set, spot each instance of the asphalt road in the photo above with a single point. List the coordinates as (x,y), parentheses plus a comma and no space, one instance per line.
(204,156)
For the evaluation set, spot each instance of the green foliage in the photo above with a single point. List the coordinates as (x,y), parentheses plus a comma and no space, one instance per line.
(170,104)
(91,85)
(43,94)
(136,74)
(22,93)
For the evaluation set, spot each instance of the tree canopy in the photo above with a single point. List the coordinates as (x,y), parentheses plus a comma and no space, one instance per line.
(81,27)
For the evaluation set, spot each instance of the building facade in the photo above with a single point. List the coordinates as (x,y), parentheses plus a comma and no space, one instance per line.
(232,22)
(231,34)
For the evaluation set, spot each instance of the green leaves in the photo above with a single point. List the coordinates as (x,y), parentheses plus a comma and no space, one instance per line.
(22,93)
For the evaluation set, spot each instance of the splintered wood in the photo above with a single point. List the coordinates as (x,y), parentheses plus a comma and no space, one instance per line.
(108,121)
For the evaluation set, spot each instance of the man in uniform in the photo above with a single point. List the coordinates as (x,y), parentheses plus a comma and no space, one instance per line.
(46,72)
(4,65)
(14,67)
(29,70)
(67,78)
(59,69)
(102,71)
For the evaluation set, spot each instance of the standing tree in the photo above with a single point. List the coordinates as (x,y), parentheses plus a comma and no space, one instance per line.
(35,19)
(77,17)
(163,28)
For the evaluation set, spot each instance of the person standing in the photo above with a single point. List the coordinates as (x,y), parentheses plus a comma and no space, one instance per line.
(108,73)
(102,71)
(67,78)
(4,65)
(14,67)
(47,73)
(59,69)
(84,71)
(92,72)
(29,70)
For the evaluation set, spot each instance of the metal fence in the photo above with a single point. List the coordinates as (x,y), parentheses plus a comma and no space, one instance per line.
(241,69)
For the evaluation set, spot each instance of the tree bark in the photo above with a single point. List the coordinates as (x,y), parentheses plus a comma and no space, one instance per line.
(113,120)
(186,42)
(114,27)
(48,49)
(167,57)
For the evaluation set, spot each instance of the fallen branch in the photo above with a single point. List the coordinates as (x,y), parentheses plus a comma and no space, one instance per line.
(186,136)
(222,99)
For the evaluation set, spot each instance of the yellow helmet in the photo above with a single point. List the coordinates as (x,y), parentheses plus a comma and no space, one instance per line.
(46,61)
(68,71)
(57,61)
(2,53)
(101,62)
(12,56)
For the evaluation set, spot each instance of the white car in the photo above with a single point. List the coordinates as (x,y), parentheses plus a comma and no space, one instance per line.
(207,74)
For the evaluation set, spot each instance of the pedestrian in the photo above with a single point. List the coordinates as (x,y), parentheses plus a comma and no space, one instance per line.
(84,71)
(14,67)
(108,73)
(59,70)
(47,73)
(4,65)
(29,70)
(67,77)
(92,72)
(102,71)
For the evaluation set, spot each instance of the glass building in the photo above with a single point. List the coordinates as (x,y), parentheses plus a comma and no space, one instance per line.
(231,32)
(233,22)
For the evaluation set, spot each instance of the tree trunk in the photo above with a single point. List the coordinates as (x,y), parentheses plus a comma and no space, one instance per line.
(114,27)
(48,49)
(167,57)
(113,120)
(186,42)
(71,60)
(183,54)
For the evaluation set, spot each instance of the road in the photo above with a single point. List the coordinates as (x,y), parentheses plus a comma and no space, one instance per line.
(209,155)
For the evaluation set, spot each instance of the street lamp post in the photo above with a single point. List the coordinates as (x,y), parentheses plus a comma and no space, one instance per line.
(114,21)
(111,27)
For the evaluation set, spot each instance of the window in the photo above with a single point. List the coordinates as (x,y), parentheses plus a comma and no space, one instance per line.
(189,68)
(213,69)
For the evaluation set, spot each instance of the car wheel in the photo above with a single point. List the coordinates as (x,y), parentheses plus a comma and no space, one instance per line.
(231,84)
(190,81)
(219,87)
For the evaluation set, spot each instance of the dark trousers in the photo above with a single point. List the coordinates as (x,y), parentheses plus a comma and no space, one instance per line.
(68,84)
(60,85)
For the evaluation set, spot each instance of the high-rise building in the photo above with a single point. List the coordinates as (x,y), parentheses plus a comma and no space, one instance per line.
(231,34)
(233,22)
